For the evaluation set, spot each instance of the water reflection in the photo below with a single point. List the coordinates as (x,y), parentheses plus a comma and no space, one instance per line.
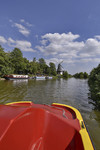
(19,81)
(73,92)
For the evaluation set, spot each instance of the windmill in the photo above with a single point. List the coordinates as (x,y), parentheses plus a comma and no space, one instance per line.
(60,69)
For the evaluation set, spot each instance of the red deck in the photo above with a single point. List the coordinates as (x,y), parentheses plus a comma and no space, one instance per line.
(38,127)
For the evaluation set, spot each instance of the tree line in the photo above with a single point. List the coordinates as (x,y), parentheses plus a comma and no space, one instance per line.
(14,63)
(94,84)
(81,75)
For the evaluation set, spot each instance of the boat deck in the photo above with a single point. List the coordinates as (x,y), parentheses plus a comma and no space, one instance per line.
(28,126)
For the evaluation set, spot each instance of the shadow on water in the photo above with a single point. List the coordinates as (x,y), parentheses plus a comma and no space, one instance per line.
(72,92)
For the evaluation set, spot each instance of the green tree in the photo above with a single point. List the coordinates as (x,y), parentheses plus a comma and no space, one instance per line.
(65,74)
(52,69)
(6,70)
(33,68)
(43,66)
(25,66)
(94,84)
(76,75)
(17,61)
(5,64)
(47,70)
(81,75)
(2,57)
(34,59)
(86,75)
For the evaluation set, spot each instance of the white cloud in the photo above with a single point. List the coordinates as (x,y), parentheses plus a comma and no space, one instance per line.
(54,60)
(2,40)
(97,37)
(10,40)
(26,23)
(68,48)
(89,60)
(23,30)
(67,55)
(91,48)
(53,44)
(21,44)
(62,38)
(24,45)
(22,20)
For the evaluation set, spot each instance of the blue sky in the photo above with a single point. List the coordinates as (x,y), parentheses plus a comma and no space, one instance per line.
(56,30)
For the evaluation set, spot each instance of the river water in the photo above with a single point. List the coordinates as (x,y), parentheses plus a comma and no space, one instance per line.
(72,92)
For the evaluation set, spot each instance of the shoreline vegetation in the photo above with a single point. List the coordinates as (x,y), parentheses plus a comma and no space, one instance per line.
(94,84)
(14,63)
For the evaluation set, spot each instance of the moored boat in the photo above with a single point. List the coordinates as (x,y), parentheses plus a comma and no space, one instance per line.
(29,126)
(40,77)
(48,77)
(15,76)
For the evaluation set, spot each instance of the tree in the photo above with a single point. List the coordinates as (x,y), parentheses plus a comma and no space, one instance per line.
(34,59)
(33,68)
(76,75)
(65,74)
(94,84)
(17,61)
(42,61)
(25,66)
(5,64)
(2,53)
(43,65)
(52,68)
(2,57)
(47,70)
(81,75)
(13,62)
(86,75)
(6,70)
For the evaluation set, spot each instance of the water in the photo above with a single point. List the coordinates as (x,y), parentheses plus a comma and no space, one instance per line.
(72,92)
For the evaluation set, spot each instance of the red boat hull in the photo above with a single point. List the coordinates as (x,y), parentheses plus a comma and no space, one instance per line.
(28,126)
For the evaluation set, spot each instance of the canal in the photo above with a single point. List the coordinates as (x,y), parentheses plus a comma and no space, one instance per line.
(72,92)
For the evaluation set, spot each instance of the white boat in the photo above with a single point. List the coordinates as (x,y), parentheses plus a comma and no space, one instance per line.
(48,77)
(40,77)
(13,76)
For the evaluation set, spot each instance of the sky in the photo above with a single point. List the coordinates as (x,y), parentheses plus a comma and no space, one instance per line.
(56,30)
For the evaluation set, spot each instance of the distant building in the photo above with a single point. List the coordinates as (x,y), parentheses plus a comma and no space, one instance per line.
(60,69)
